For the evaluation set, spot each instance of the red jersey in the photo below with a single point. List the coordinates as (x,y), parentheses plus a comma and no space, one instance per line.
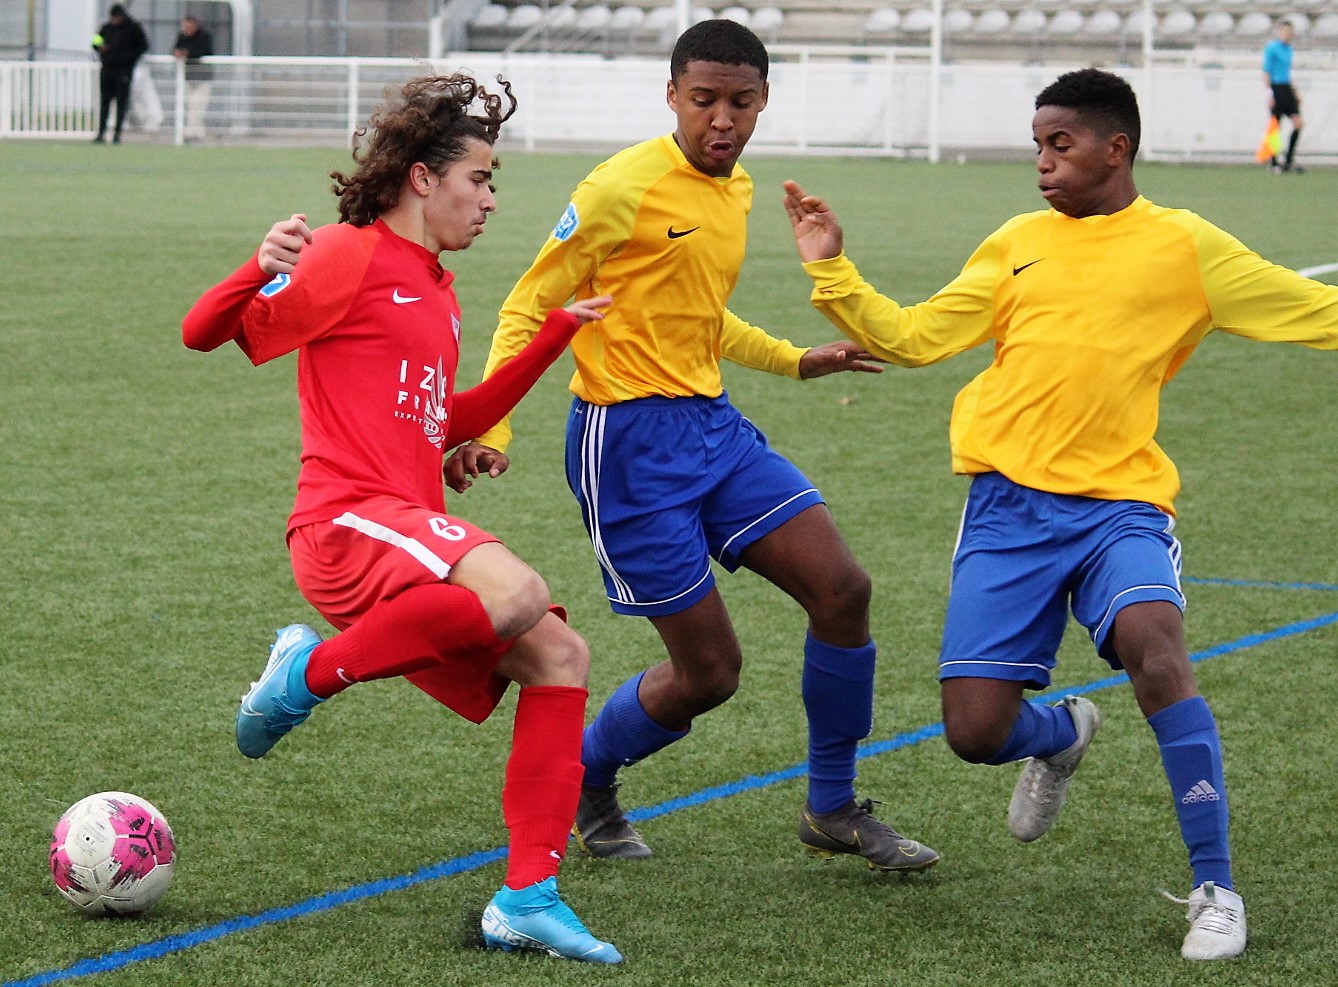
(376,326)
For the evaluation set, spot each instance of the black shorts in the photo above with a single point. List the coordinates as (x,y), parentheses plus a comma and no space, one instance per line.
(1285,103)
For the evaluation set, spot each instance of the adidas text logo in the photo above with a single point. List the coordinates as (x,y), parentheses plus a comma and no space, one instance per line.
(1202,792)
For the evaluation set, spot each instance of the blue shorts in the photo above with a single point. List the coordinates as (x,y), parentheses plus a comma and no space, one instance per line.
(666,485)
(1024,557)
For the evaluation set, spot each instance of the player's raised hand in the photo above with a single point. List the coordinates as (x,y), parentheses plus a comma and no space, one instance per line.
(833,358)
(817,233)
(470,460)
(283,243)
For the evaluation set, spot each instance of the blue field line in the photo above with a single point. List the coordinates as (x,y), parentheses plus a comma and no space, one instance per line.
(461,865)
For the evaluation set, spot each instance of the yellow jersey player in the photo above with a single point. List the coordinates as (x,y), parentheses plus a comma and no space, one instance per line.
(669,475)
(1091,306)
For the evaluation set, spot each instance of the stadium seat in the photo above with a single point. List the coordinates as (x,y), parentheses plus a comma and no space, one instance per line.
(562,16)
(767,22)
(1216,24)
(1029,23)
(1121,4)
(1255,24)
(1065,22)
(660,19)
(882,22)
(992,22)
(917,21)
(1325,26)
(489,15)
(739,15)
(1133,25)
(1300,22)
(958,20)
(627,18)
(595,18)
(700,14)
(1177,24)
(1102,24)
(524,15)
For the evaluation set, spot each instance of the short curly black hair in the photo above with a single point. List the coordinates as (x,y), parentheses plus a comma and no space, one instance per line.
(1103,98)
(724,42)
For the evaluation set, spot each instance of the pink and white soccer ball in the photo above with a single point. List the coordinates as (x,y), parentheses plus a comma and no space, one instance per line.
(112,854)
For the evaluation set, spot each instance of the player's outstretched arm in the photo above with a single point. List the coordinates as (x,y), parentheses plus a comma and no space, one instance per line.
(833,358)
(217,317)
(817,233)
(475,411)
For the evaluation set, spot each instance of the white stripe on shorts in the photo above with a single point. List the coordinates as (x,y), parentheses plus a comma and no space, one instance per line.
(592,452)
(433,562)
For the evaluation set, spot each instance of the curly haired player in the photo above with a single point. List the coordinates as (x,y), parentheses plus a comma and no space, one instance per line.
(415,591)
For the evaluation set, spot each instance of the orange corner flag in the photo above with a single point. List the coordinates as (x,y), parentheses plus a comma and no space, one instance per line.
(1271,144)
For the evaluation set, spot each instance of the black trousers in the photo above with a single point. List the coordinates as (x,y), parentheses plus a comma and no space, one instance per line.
(115,88)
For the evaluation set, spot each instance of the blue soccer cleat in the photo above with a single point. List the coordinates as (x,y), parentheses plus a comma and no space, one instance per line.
(280,700)
(536,918)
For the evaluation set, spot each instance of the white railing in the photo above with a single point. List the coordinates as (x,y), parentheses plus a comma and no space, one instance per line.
(883,101)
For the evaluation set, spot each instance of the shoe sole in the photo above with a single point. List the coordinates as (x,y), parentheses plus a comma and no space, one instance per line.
(640,851)
(527,943)
(910,868)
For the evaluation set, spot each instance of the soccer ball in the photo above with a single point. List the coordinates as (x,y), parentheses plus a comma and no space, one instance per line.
(112,854)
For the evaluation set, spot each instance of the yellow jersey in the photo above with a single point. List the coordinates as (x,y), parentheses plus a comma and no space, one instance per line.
(1089,319)
(666,241)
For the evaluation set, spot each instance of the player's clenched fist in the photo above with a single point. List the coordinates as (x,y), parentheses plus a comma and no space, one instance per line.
(283,243)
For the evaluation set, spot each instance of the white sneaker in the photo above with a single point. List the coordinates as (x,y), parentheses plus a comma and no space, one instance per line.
(1216,923)
(1041,790)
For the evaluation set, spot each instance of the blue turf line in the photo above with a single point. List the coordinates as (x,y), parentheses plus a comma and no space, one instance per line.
(460,865)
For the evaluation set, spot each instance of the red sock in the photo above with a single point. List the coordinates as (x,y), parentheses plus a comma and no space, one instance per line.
(407,633)
(543,781)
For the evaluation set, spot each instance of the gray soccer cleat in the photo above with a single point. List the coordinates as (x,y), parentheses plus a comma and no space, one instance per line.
(853,829)
(1216,923)
(601,828)
(1041,790)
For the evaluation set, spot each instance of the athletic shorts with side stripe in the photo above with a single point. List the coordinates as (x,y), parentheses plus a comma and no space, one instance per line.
(1025,557)
(373,553)
(667,484)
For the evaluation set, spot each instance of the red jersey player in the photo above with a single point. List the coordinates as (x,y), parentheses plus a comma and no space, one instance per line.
(415,591)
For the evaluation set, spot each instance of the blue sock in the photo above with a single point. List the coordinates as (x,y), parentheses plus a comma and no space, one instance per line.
(838,697)
(1191,753)
(621,734)
(1038,731)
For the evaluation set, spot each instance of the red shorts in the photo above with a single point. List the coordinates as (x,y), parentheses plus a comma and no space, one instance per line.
(346,566)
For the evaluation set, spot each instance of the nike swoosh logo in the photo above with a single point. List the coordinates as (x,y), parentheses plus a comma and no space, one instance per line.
(399,299)
(271,666)
(1019,270)
(675,234)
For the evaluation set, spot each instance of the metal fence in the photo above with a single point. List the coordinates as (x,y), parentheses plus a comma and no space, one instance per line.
(884,101)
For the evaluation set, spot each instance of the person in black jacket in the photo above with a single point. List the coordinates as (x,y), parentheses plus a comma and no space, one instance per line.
(119,43)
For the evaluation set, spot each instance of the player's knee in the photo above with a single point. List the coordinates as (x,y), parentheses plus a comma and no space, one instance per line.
(971,740)
(552,654)
(566,658)
(845,600)
(519,605)
(711,686)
